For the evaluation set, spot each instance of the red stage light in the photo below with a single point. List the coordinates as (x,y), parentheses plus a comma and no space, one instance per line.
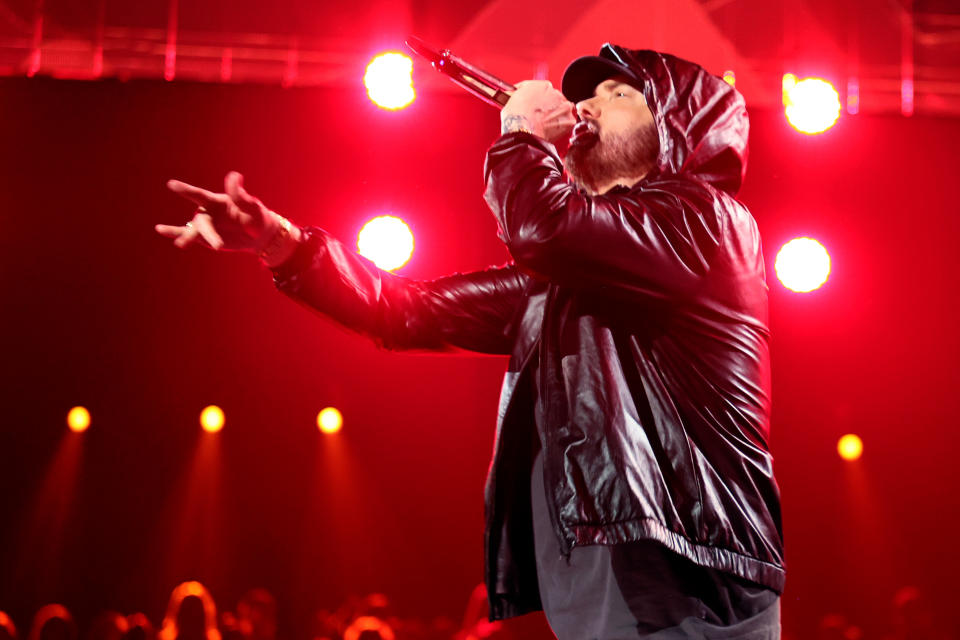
(329,420)
(802,265)
(387,241)
(389,81)
(212,419)
(850,447)
(78,419)
(812,105)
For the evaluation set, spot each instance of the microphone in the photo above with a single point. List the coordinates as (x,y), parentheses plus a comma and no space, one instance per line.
(488,88)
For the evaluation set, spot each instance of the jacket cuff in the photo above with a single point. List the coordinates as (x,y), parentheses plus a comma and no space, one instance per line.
(302,258)
(525,137)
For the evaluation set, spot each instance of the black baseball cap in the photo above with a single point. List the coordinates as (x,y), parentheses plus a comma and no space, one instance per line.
(584,74)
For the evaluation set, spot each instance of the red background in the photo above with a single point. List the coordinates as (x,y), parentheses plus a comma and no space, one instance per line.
(100,311)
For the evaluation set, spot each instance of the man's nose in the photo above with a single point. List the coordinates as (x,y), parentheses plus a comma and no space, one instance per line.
(588,109)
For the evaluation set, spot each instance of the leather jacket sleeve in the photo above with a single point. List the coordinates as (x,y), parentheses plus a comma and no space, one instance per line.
(471,311)
(657,239)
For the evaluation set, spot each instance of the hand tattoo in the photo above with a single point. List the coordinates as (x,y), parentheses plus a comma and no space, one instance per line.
(512,123)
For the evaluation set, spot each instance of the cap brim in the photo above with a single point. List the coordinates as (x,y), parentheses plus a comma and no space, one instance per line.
(584,74)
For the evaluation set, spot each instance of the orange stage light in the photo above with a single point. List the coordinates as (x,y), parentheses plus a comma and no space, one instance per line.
(389,81)
(850,447)
(78,419)
(329,420)
(802,265)
(212,419)
(387,241)
(812,105)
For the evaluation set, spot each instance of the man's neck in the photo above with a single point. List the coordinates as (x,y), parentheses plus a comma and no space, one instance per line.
(612,184)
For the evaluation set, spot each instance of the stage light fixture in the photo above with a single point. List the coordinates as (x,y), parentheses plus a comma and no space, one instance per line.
(812,105)
(389,81)
(212,419)
(387,241)
(78,419)
(802,265)
(329,420)
(850,447)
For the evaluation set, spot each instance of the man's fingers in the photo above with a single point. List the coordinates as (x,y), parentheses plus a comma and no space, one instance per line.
(221,220)
(188,237)
(543,84)
(203,224)
(564,110)
(199,196)
(184,236)
(168,231)
(233,186)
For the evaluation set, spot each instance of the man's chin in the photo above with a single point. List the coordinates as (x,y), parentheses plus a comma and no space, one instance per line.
(577,176)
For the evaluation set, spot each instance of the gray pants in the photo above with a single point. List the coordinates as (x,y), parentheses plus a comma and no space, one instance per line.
(641,590)
(763,626)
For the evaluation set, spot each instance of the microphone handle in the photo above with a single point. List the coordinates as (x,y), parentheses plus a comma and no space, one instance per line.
(485,86)
(491,95)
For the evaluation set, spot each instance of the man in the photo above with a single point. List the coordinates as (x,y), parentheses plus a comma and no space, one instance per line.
(635,407)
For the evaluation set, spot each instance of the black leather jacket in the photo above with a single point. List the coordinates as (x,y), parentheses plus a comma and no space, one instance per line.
(643,313)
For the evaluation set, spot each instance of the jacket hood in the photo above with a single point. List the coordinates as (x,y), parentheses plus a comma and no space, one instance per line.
(701,120)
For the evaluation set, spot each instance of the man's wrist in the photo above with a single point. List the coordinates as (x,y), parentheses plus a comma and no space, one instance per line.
(281,244)
(513,122)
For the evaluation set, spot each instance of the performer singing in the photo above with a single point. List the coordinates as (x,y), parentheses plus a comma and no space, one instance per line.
(631,492)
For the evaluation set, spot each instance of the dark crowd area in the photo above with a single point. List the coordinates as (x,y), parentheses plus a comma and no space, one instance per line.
(192,614)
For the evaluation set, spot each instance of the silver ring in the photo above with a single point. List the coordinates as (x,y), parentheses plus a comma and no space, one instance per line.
(189,225)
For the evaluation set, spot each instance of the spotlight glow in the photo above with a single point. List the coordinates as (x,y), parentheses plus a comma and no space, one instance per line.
(788,83)
(850,447)
(389,81)
(812,105)
(329,420)
(212,419)
(387,241)
(78,419)
(803,265)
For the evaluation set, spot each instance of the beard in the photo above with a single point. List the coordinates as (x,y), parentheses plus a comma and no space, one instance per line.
(608,158)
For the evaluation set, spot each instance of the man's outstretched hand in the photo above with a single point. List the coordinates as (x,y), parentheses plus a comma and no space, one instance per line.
(233,220)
